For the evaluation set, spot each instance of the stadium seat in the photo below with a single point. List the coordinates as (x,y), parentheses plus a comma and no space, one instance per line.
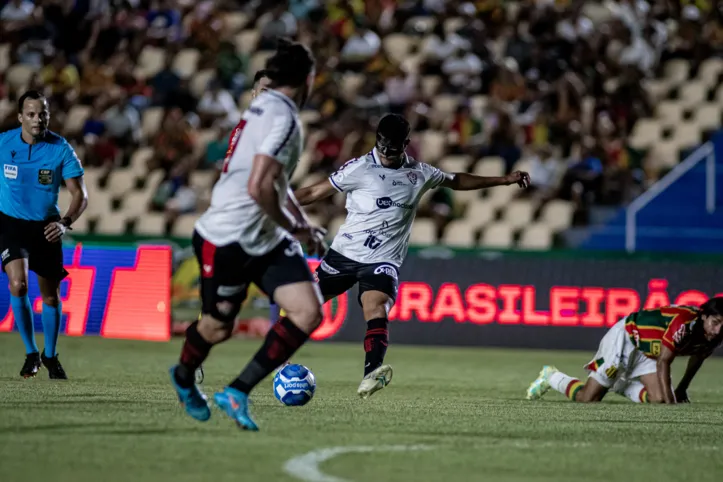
(501,195)
(445,105)
(708,116)
(76,118)
(150,61)
(664,154)
(121,181)
(455,163)
(398,46)
(424,232)
(246,42)
(710,70)
(18,76)
(676,71)
(200,81)
(112,223)
(185,62)
(184,225)
(135,204)
(518,213)
(151,224)
(693,93)
(480,213)
(657,89)
(687,135)
(139,160)
(430,85)
(645,133)
(82,224)
(203,180)
(235,21)
(258,60)
(557,214)
(433,146)
(151,121)
(536,237)
(490,167)
(669,113)
(350,84)
(460,234)
(4,57)
(497,235)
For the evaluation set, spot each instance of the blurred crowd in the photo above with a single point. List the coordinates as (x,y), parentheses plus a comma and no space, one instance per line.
(560,82)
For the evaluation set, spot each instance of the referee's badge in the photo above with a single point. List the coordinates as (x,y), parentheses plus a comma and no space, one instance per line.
(11,171)
(45,176)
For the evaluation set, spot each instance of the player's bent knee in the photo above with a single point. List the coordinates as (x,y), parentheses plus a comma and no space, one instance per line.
(18,286)
(52,300)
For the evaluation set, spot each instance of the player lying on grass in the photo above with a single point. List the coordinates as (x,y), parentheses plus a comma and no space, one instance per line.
(635,355)
(383,190)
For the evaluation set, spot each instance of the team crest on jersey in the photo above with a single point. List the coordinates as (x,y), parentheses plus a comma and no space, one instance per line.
(655,348)
(11,172)
(412,178)
(45,176)
(611,371)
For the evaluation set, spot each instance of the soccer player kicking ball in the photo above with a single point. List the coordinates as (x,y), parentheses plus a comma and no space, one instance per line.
(246,236)
(35,161)
(383,191)
(635,355)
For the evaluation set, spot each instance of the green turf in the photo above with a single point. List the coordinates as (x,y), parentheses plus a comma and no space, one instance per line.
(117,420)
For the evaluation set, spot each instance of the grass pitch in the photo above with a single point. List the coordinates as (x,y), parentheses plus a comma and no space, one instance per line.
(117,419)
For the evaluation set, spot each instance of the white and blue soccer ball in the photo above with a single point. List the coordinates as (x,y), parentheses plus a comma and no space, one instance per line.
(294,385)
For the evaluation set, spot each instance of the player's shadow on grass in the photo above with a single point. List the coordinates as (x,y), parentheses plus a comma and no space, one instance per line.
(74,403)
(103,428)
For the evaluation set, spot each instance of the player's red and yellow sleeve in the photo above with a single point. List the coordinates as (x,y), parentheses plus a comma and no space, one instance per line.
(681,318)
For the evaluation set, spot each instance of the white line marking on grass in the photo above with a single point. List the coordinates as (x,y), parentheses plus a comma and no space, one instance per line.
(306,467)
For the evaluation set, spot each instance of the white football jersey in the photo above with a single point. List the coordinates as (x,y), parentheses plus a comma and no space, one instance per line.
(381,204)
(269,126)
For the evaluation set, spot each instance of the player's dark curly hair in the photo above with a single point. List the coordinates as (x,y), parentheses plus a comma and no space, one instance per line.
(712,307)
(290,65)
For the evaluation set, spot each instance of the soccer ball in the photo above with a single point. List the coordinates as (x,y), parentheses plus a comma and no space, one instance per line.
(294,385)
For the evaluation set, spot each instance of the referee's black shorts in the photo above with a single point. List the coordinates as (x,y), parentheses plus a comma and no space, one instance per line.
(23,239)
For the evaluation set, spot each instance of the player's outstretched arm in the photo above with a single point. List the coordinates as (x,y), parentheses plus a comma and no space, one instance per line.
(262,188)
(316,192)
(461,181)
(665,360)
(694,364)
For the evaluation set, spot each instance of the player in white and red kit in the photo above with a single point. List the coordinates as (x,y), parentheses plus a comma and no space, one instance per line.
(247,236)
(383,190)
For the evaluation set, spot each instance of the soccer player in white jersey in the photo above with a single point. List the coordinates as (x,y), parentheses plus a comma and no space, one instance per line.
(383,190)
(247,236)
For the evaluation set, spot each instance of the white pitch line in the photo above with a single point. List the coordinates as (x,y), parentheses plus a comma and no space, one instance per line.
(306,467)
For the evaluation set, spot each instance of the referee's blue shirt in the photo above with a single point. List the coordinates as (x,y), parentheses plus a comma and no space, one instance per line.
(32,173)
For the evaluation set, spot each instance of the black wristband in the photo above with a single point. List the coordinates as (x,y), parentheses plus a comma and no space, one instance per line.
(67,221)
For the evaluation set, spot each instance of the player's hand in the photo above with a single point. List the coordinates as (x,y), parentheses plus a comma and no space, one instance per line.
(521,178)
(55,231)
(313,238)
(681,396)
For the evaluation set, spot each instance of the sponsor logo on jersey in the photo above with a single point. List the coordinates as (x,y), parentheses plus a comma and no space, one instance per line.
(347,236)
(678,335)
(11,172)
(386,269)
(228,291)
(325,267)
(382,176)
(655,348)
(256,110)
(45,176)
(412,178)
(397,183)
(387,202)
(5,254)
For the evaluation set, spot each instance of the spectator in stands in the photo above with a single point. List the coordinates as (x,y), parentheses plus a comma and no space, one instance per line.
(230,68)
(502,142)
(465,131)
(216,150)
(165,83)
(218,105)
(361,47)
(440,208)
(548,171)
(63,80)
(279,22)
(164,22)
(123,124)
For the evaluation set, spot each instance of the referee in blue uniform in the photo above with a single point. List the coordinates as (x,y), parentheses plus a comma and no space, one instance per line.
(35,161)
